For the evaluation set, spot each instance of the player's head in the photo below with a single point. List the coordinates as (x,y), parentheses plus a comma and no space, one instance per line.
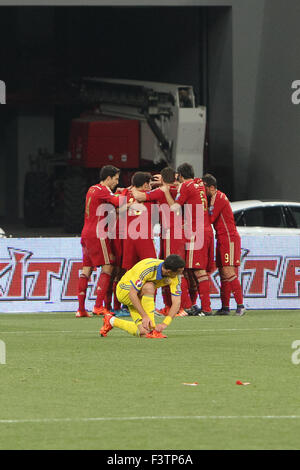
(109,176)
(141,180)
(173,265)
(210,184)
(168,175)
(185,172)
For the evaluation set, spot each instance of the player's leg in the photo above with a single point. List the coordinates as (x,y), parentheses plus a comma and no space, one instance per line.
(206,263)
(222,262)
(119,273)
(193,292)
(193,287)
(230,283)
(109,292)
(176,246)
(186,302)
(226,274)
(199,260)
(82,288)
(101,255)
(165,290)
(117,247)
(111,321)
(133,327)
(204,290)
(102,289)
(83,280)
(147,297)
(228,259)
(236,287)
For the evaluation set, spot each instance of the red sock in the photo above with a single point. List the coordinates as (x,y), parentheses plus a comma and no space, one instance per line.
(185,295)
(203,289)
(236,289)
(117,304)
(166,295)
(82,287)
(193,286)
(193,296)
(225,292)
(108,297)
(102,288)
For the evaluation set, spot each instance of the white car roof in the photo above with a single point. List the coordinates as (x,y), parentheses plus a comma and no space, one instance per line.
(239,205)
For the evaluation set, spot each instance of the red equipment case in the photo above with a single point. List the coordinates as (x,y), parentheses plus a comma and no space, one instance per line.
(95,143)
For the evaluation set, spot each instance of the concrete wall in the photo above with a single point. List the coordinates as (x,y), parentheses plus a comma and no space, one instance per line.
(219,101)
(274,157)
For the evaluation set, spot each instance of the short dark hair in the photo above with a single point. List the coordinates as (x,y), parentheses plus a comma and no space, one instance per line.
(108,170)
(168,174)
(139,178)
(186,171)
(209,180)
(174,262)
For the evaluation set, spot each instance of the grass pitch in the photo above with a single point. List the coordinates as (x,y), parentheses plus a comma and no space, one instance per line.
(64,387)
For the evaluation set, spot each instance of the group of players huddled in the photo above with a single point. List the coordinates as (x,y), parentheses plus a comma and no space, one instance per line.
(118,236)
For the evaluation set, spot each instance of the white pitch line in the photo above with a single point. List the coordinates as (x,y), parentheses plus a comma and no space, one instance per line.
(214,330)
(141,418)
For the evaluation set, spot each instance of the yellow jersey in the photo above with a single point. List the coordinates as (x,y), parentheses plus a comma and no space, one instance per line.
(149,270)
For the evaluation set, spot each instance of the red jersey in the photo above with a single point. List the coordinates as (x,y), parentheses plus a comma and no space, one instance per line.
(169,219)
(192,192)
(138,221)
(97,195)
(221,215)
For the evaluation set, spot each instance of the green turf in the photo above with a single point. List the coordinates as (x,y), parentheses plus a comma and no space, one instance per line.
(64,387)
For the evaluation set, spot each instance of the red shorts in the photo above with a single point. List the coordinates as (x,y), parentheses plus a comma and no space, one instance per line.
(200,258)
(97,252)
(136,250)
(171,246)
(228,251)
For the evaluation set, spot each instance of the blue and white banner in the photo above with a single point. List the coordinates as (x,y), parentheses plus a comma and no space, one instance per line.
(41,274)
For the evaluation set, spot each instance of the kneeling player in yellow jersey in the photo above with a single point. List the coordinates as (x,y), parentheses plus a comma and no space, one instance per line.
(136,289)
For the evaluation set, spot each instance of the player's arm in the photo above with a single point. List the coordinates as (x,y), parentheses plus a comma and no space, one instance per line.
(133,295)
(215,208)
(175,307)
(119,201)
(138,195)
(174,206)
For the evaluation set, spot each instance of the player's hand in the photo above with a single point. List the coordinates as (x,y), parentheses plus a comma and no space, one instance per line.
(155,181)
(160,327)
(146,323)
(157,178)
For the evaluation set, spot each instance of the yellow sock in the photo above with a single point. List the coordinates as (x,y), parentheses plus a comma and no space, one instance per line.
(148,304)
(126,325)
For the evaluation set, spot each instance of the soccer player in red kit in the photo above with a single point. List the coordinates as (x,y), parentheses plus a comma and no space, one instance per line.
(200,248)
(138,242)
(96,243)
(172,236)
(228,250)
